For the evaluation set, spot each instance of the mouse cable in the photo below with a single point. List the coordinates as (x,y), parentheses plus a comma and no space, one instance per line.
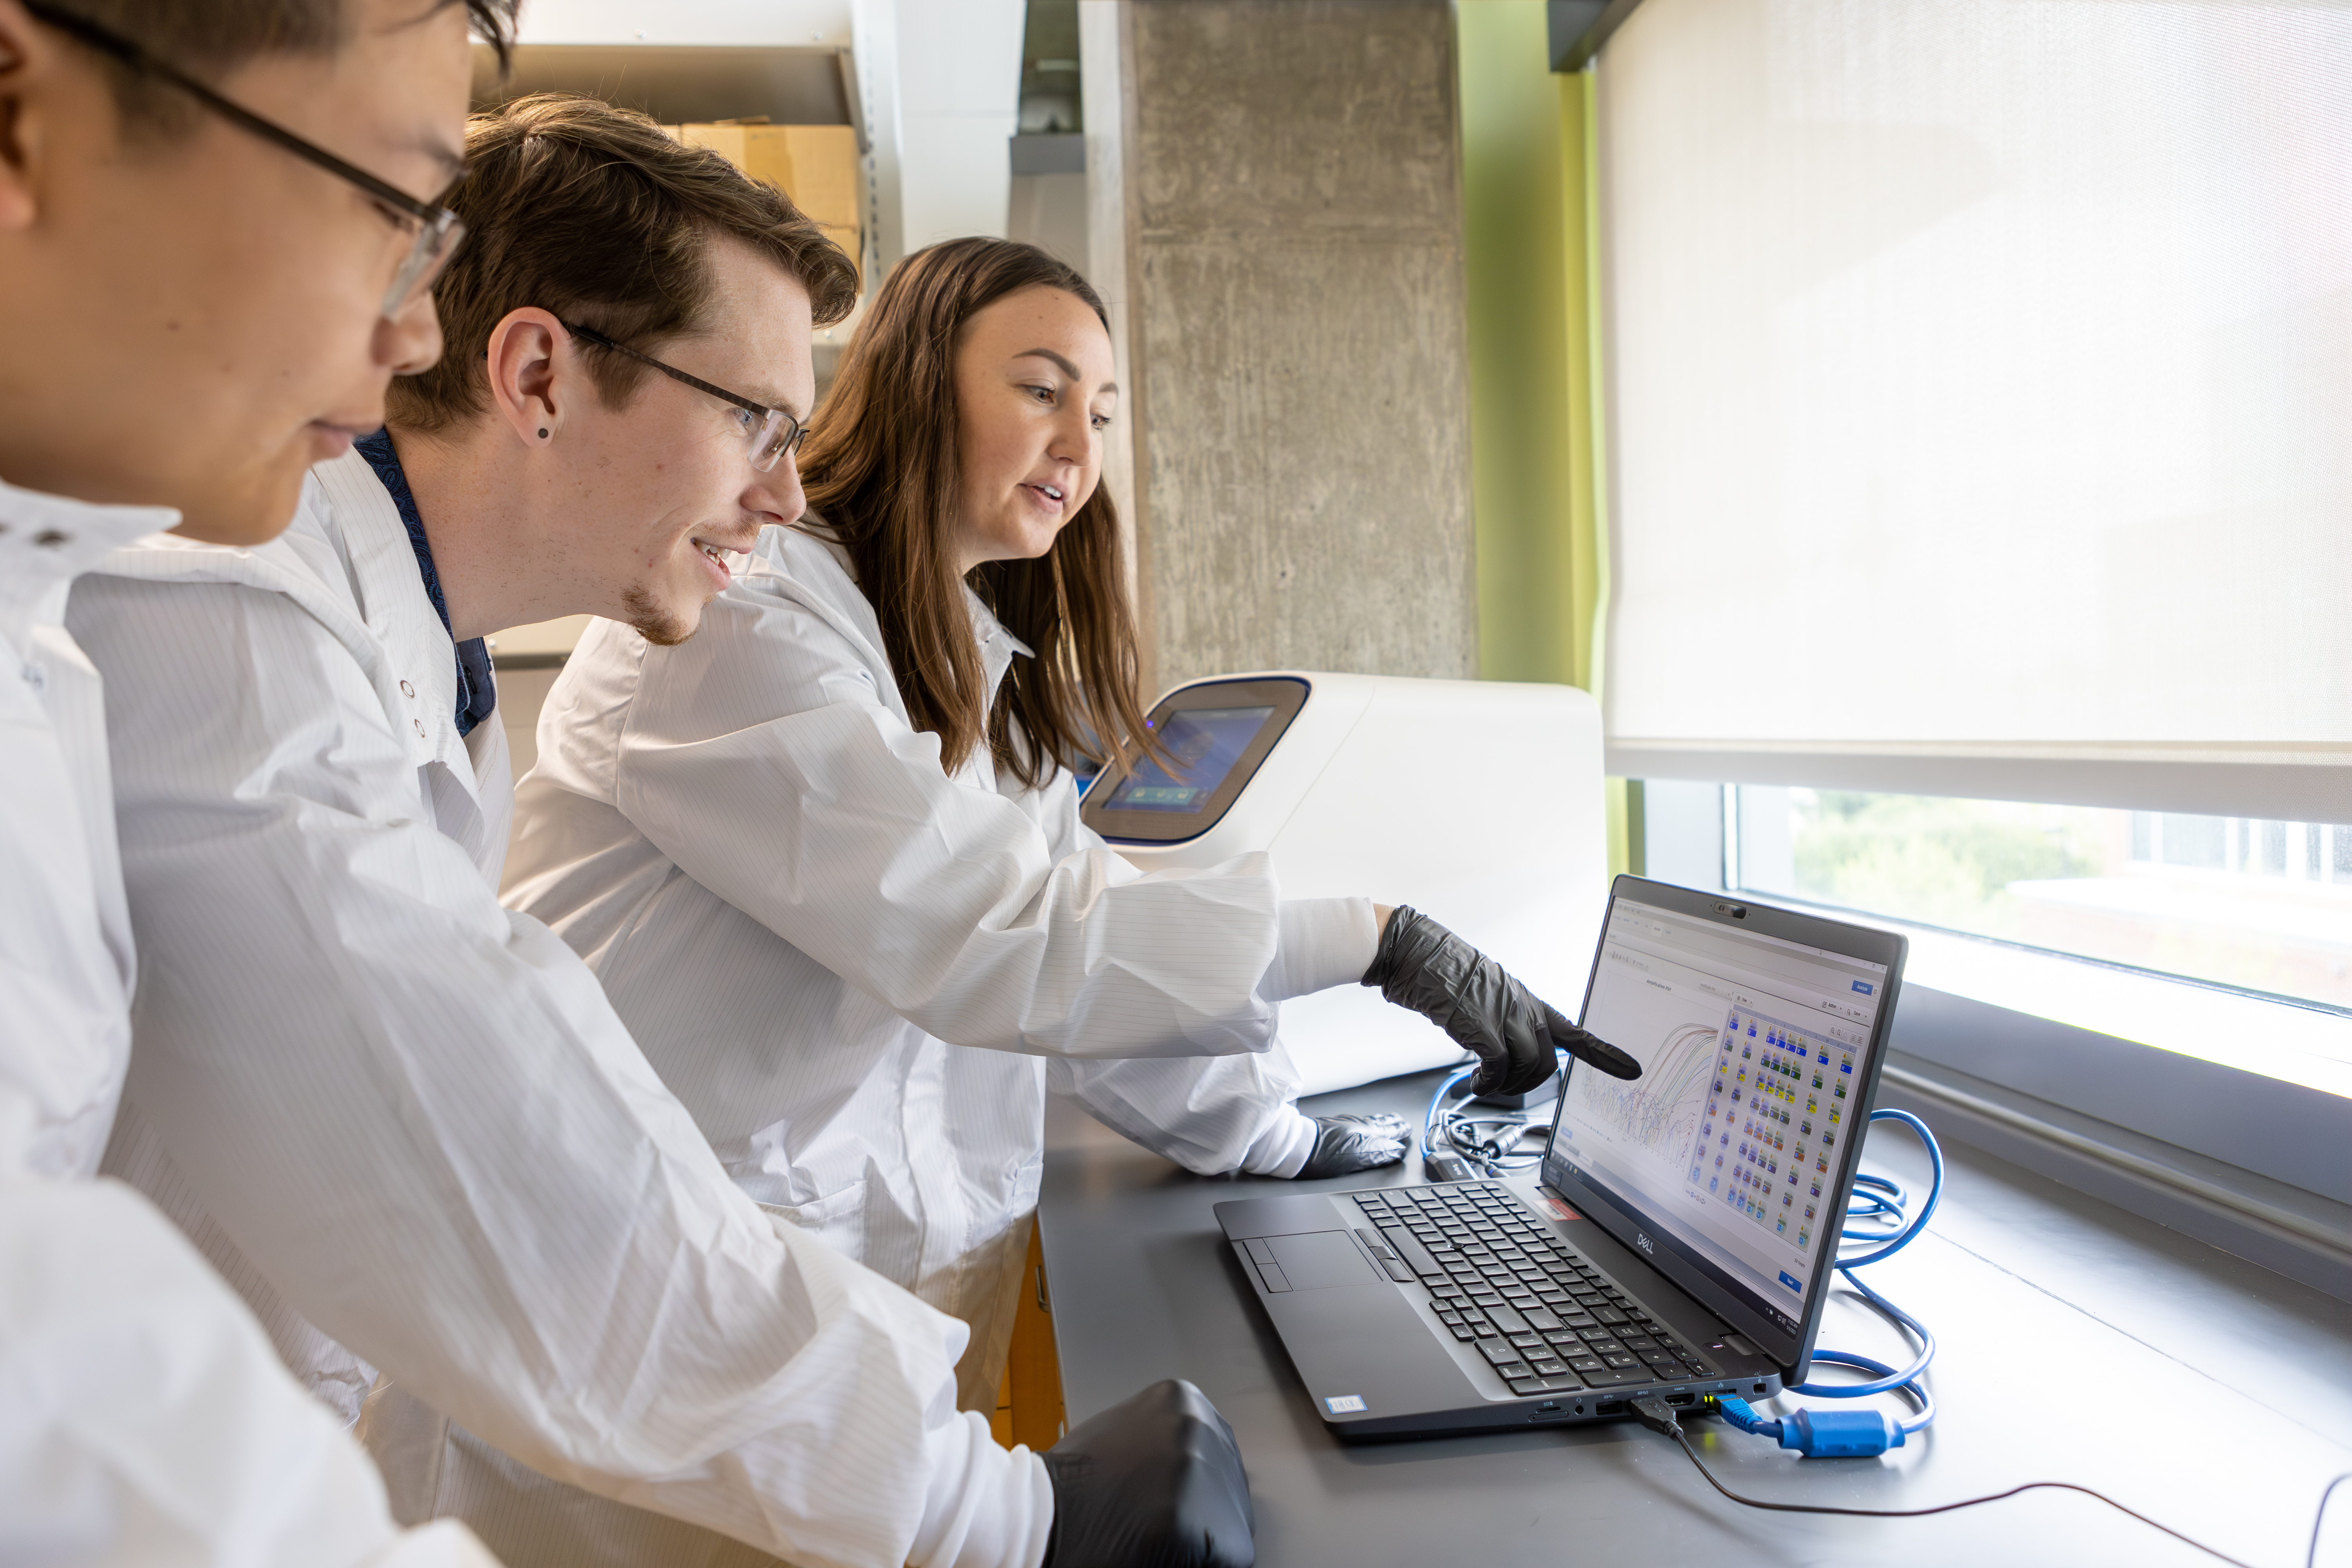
(2311,1555)
(1659,1416)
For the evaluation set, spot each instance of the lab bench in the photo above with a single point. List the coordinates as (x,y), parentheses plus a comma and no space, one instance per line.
(2078,1343)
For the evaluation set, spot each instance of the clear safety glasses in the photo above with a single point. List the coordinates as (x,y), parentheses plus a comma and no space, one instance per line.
(772,431)
(436,230)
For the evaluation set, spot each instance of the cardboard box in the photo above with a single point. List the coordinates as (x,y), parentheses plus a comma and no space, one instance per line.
(816,165)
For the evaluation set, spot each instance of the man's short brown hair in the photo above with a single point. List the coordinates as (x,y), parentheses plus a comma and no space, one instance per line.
(597,215)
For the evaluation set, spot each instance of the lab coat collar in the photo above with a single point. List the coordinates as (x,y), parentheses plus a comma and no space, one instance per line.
(46,541)
(775,551)
(997,645)
(477,692)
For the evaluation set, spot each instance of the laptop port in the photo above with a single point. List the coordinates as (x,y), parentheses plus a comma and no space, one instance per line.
(1681,1401)
(1610,1407)
(1762,1389)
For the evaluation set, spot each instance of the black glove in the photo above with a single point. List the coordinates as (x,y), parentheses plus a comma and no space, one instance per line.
(1423,966)
(1155,1482)
(1344,1144)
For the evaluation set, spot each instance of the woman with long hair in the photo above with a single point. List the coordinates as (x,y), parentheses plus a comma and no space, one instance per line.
(826,859)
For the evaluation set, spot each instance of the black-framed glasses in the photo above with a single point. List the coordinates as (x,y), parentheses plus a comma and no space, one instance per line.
(776,433)
(438,229)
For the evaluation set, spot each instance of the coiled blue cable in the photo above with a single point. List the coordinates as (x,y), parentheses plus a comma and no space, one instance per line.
(1884,1199)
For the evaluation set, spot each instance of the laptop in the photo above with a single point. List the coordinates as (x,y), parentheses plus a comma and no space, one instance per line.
(1679,1234)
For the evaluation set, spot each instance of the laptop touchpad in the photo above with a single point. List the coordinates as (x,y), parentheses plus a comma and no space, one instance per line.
(1323,1259)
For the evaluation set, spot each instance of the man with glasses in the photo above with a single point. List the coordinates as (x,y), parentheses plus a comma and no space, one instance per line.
(416,1131)
(213,259)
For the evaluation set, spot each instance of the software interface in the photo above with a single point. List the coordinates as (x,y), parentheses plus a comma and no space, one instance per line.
(1204,743)
(1751,1050)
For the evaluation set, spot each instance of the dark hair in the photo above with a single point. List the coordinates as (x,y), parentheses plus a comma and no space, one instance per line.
(884,474)
(598,215)
(215,37)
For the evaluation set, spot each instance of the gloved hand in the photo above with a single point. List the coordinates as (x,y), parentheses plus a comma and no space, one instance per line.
(1423,966)
(1155,1482)
(1355,1143)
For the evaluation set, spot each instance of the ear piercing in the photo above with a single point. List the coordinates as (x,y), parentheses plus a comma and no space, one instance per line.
(542,435)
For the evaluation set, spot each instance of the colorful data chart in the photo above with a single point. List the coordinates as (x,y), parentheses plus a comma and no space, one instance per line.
(1755,1145)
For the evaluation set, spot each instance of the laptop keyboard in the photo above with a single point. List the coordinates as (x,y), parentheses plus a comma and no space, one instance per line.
(1539,1312)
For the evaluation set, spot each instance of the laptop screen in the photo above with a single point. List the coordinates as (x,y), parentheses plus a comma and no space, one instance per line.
(1754,1052)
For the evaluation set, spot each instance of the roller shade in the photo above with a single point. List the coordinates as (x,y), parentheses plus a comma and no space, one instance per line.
(1979,398)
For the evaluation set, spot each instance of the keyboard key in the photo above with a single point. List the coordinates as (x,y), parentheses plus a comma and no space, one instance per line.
(1465,1333)
(1548,1368)
(1620,1360)
(1638,1342)
(1588,1363)
(1530,1343)
(1610,1315)
(1663,1362)
(1539,1319)
(1611,1377)
(1506,1318)
(1488,1331)
(1498,1352)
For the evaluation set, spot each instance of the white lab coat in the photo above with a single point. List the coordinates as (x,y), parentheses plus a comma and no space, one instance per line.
(408,1122)
(142,1415)
(796,910)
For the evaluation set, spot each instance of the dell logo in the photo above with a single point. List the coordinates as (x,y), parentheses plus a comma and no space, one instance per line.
(1642,1242)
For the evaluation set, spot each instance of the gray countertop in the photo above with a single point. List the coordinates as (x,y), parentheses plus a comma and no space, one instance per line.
(2078,1343)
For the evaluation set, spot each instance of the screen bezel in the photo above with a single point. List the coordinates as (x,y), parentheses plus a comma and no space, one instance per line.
(1700,1276)
(1286,695)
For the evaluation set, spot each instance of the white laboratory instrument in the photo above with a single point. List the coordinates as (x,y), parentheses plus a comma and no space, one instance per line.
(1479,803)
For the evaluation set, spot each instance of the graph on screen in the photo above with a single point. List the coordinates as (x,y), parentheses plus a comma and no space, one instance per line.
(1660,1111)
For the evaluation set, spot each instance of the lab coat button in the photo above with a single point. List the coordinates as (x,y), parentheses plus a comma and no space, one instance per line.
(420,725)
(406,689)
(50,539)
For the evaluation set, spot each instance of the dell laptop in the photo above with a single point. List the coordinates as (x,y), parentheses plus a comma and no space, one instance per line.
(1678,1237)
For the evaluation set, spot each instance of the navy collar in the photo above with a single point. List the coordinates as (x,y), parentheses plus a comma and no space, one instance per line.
(478,691)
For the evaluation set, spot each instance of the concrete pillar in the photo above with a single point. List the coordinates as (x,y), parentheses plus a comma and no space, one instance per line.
(1294,310)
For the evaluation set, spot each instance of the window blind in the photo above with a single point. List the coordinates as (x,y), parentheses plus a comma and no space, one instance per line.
(1979,398)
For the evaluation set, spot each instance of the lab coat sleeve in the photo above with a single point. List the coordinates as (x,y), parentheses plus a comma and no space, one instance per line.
(776,776)
(1216,1114)
(418,1117)
(145,1405)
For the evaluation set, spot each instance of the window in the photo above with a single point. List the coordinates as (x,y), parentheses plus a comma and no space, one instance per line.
(2256,905)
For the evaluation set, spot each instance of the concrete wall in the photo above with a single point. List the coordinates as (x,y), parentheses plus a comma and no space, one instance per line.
(1294,271)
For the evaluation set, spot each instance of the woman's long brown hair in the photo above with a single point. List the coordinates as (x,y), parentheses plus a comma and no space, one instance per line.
(884,478)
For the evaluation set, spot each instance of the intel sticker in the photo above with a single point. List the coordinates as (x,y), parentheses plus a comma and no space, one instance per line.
(1345,1404)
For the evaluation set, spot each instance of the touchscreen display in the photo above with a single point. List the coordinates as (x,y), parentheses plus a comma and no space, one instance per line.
(1752,1058)
(1204,743)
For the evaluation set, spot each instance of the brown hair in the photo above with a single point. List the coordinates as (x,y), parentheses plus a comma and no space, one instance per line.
(212,39)
(883,474)
(597,214)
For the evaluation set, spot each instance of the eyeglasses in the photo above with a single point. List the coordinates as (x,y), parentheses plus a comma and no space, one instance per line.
(438,229)
(776,432)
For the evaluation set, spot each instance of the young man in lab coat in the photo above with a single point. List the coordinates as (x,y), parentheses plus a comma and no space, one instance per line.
(196,305)
(408,1122)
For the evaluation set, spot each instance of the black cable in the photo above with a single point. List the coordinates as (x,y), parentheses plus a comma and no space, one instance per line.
(2320,1518)
(1673,1428)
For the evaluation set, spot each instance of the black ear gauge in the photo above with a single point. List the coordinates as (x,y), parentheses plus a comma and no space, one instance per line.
(542,435)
